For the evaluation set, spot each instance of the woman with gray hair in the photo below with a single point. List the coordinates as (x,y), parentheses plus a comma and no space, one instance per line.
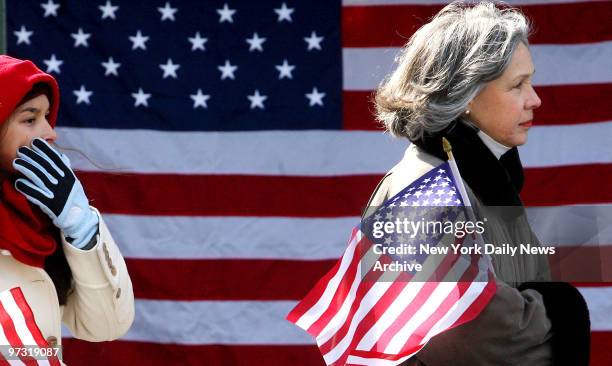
(466,75)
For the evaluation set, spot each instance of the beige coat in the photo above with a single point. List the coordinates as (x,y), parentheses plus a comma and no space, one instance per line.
(101,305)
(513,329)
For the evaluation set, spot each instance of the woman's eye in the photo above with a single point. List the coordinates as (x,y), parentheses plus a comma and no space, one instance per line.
(518,85)
(30,121)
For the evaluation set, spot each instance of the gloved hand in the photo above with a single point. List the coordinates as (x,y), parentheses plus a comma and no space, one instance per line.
(51,184)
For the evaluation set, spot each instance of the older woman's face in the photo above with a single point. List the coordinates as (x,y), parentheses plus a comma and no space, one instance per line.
(504,108)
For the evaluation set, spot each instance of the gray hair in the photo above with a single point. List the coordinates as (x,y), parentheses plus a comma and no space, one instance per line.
(445,64)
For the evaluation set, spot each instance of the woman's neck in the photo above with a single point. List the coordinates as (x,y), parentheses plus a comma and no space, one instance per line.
(496,148)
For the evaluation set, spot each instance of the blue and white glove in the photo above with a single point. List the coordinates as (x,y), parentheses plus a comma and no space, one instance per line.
(51,184)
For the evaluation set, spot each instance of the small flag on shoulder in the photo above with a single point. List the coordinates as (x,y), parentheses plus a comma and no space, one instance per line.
(411,271)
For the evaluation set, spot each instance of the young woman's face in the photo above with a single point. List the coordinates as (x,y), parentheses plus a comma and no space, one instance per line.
(28,121)
(504,108)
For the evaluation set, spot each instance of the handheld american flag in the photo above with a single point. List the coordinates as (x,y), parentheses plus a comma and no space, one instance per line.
(390,293)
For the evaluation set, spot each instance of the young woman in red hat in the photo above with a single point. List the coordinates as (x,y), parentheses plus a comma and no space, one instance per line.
(58,261)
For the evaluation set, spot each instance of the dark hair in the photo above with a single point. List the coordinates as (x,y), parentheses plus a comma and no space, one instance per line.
(58,269)
(38,89)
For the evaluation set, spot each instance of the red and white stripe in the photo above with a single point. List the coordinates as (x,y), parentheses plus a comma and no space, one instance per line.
(379,322)
(223,223)
(19,330)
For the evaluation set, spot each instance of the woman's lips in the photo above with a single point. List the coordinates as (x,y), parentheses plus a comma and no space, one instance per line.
(526,124)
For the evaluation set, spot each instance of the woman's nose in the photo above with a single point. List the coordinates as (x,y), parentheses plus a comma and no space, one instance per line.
(534,100)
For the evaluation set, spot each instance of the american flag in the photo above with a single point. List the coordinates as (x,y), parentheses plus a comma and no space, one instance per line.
(229,208)
(20,336)
(362,313)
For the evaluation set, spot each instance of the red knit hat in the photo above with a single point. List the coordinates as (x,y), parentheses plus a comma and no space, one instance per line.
(17,77)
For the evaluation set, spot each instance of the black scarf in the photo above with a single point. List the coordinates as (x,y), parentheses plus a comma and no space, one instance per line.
(495,182)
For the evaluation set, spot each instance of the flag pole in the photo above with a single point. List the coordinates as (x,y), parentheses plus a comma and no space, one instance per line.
(448,149)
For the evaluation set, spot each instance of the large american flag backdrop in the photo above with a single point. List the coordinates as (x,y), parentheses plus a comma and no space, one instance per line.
(234,148)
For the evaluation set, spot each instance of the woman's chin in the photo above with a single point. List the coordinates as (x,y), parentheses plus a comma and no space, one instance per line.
(517,140)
